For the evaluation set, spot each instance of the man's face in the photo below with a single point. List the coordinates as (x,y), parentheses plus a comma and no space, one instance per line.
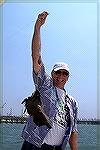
(60,77)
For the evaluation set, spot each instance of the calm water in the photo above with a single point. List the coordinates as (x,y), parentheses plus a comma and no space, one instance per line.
(10,137)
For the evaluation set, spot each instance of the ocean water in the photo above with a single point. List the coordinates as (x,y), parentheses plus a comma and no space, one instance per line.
(10,137)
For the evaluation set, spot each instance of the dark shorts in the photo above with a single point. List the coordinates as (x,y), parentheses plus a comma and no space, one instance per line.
(28,146)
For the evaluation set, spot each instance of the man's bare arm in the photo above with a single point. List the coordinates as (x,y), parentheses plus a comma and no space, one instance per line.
(73,141)
(36,42)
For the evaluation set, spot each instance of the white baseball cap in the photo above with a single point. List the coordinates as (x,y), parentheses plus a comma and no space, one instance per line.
(61,65)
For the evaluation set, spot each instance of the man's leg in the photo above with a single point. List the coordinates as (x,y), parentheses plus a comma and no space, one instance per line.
(28,146)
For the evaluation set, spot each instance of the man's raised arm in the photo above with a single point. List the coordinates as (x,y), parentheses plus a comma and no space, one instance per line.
(36,42)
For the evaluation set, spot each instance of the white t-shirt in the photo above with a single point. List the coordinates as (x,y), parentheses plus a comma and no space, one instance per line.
(57,132)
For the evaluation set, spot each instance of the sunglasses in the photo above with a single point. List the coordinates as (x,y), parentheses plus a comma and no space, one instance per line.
(64,73)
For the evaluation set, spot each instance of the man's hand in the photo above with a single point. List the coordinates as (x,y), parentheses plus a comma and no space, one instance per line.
(41,19)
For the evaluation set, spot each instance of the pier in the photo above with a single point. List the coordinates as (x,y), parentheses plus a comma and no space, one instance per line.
(22,119)
(12,119)
(89,121)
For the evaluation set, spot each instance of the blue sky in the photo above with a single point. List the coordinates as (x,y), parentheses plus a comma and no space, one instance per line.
(69,35)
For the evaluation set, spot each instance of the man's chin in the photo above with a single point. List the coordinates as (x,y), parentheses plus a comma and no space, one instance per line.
(60,85)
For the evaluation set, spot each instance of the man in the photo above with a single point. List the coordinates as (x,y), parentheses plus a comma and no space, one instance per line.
(60,107)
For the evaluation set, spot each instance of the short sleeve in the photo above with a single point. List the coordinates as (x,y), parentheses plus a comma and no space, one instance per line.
(75,113)
(41,78)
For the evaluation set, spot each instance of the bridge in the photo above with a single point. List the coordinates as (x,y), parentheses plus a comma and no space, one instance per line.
(22,119)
